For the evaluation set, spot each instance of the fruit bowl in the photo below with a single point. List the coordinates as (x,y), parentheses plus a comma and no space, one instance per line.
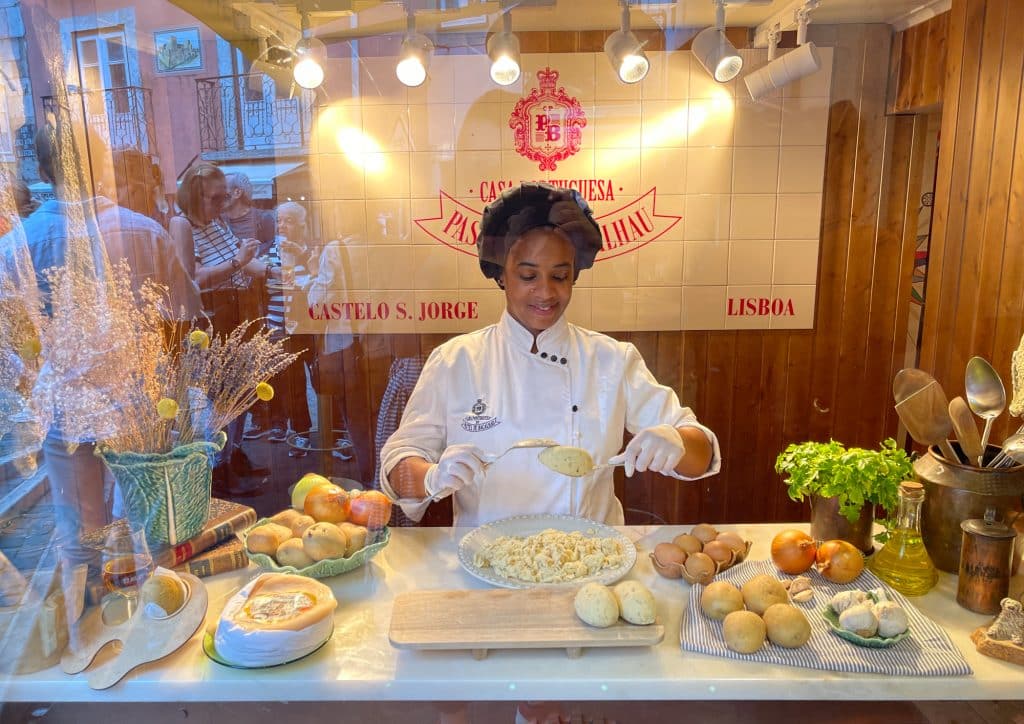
(327,567)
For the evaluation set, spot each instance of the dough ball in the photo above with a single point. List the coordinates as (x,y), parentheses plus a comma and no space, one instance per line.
(636,602)
(300,524)
(719,599)
(787,625)
(744,631)
(762,591)
(286,517)
(293,553)
(356,535)
(324,540)
(596,605)
(267,538)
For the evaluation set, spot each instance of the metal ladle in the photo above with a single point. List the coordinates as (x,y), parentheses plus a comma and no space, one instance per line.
(986,396)
(572,461)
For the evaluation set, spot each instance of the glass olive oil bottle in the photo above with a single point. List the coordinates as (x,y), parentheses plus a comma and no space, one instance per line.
(903,561)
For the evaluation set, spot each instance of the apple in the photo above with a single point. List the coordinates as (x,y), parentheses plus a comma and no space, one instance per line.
(327,504)
(306,483)
(370,508)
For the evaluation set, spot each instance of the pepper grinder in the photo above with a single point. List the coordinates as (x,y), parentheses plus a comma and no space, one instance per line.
(986,553)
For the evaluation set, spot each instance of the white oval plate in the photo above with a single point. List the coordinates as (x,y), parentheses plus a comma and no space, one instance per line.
(526,525)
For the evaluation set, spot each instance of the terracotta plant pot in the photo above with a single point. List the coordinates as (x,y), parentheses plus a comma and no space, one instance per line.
(827,523)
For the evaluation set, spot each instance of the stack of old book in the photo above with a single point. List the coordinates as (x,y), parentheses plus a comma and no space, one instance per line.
(215,549)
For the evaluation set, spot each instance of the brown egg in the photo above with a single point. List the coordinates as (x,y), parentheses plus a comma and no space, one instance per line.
(688,543)
(668,560)
(734,541)
(720,552)
(704,532)
(700,565)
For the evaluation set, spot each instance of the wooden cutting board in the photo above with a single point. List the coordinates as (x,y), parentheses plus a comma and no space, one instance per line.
(143,639)
(534,618)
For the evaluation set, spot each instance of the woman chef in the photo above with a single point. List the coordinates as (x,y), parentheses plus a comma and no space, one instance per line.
(533,374)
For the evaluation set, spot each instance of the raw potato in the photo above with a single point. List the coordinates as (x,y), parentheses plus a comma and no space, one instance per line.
(572,461)
(286,517)
(719,599)
(267,538)
(293,553)
(787,626)
(596,605)
(744,631)
(762,591)
(356,535)
(636,602)
(300,525)
(324,540)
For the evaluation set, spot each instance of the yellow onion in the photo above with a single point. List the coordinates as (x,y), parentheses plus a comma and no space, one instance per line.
(793,551)
(839,561)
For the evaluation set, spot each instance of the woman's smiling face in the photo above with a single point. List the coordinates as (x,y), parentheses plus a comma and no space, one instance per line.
(538,278)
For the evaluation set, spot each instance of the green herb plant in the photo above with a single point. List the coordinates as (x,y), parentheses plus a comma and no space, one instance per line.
(854,476)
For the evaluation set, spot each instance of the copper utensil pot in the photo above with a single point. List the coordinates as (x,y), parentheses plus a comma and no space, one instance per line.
(985,563)
(955,492)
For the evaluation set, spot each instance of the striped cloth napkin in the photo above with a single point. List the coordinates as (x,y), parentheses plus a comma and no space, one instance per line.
(927,651)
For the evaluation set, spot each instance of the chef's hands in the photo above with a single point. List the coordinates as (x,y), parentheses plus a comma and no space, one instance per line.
(658,448)
(459,466)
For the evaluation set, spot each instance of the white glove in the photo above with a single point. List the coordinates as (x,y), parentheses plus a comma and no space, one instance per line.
(658,448)
(459,465)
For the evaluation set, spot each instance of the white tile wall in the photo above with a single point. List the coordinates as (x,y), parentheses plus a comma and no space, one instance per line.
(745,176)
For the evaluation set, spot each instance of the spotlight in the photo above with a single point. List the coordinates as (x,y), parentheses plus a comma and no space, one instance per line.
(503,49)
(308,70)
(414,58)
(714,51)
(625,52)
(794,65)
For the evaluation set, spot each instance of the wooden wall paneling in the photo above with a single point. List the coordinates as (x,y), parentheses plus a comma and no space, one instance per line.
(976,271)
(945,255)
(796,411)
(890,286)
(747,500)
(935,67)
(837,211)
(861,265)
(647,492)
(720,381)
(770,415)
(1002,237)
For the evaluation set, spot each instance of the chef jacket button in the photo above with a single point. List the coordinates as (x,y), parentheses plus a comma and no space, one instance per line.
(575,408)
(563,360)
(553,358)
(544,355)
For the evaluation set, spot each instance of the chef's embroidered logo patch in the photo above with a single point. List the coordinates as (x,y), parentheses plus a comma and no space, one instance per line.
(477,421)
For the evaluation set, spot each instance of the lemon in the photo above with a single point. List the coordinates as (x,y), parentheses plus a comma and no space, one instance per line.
(306,483)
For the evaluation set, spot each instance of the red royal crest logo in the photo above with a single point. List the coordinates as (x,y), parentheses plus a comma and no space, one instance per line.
(548,124)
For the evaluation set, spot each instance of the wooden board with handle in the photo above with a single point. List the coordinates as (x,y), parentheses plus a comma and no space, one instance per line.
(534,618)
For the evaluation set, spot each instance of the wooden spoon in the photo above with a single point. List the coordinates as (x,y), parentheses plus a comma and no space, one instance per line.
(926,417)
(966,429)
(908,381)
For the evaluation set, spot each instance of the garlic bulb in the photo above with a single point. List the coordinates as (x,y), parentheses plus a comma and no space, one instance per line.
(892,619)
(860,618)
(844,599)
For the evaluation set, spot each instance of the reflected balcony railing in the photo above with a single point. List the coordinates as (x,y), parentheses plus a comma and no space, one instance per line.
(123,117)
(246,114)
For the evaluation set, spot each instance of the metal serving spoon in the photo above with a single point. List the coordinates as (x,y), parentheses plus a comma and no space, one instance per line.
(572,461)
(985,395)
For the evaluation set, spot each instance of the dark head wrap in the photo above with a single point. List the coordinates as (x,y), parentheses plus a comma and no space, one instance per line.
(530,206)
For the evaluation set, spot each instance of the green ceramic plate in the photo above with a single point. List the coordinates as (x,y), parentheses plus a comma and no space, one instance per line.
(325,568)
(211,652)
(872,642)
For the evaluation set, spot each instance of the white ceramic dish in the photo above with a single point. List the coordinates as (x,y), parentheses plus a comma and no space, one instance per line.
(526,525)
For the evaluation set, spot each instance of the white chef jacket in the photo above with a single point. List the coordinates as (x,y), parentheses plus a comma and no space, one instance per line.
(487,388)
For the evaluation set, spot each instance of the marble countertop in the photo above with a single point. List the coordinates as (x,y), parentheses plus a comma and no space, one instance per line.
(359,663)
